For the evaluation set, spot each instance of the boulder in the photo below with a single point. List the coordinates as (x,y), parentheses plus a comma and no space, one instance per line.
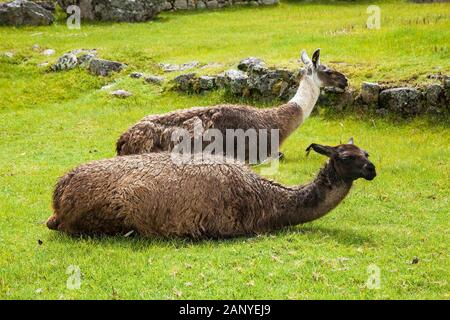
(154,79)
(404,101)
(200,5)
(236,82)
(103,67)
(185,82)
(212,4)
(168,67)
(84,59)
(446,85)
(47,5)
(435,95)
(23,12)
(65,62)
(116,10)
(337,99)
(269,82)
(207,83)
(247,63)
(370,93)
(136,75)
(180,4)
(189,65)
(268,2)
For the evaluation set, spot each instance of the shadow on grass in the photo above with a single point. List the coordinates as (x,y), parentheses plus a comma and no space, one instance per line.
(138,243)
(344,236)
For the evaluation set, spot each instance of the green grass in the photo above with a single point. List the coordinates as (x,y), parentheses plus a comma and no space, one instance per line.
(51,122)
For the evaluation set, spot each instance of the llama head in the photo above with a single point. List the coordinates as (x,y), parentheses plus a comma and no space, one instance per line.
(349,161)
(321,74)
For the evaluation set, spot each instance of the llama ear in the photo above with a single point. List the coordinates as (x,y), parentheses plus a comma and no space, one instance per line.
(316,58)
(325,150)
(305,59)
(350,141)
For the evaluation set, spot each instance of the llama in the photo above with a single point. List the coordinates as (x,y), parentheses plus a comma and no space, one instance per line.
(154,132)
(156,197)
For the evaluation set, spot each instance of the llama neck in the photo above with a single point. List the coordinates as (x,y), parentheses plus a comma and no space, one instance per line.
(306,96)
(309,202)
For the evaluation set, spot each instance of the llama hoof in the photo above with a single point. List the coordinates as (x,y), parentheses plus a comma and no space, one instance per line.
(280,156)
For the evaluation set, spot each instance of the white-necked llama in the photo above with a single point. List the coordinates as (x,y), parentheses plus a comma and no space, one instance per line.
(154,196)
(154,132)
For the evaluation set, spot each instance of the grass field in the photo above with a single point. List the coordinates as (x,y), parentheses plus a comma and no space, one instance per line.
(51,122)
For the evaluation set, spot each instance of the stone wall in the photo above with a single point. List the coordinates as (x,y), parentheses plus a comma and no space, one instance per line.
(173,5)
(141,10)
(254,79)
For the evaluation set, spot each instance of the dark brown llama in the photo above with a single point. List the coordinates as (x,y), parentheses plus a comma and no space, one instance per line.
(155,196)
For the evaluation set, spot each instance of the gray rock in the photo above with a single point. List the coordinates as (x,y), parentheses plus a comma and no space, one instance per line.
(236,81)
(269,83)
(65,62)
(167,67)
(212,65)
(446,84)
(247,63)
(268,2)
(185,82)
(435,95)
(136,75)
(154,79)
(121,93)
(221,80)
(180,4)
(9,54)
(48,52)
(36,47)
(370,92)
(103,67)
(189,65)
(213,4)
(47,5)
(23,12)
(207,82)
(404,101)
(85,59)
(166,6)
(116,10)
(200,5)
(337,99)
(191,4)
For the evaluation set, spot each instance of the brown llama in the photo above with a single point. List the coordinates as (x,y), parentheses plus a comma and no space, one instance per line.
(156,197)
(154,132)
